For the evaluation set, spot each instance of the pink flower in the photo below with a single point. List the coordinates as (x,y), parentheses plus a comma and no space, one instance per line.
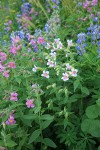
(3,56)
(65,77)
(13,96)
(36,13)
(40,40)
(16,39)
(11,65)
(68,66)
(32,42)
(86,4)
(1,67)
(29,103)
(45,74)
(94,2)
(11,120)
(6,74)
(18,47)
(9,22)
(8,28)
(89,9)
(92,15)
(13,50)
(3,148)
(73,72)
(50,63)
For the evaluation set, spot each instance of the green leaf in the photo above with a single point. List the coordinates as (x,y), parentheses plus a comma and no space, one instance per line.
(29,117)
(21,143)
(76,84)
(2,143)
(86,124)
(49,142)
(65,123)
(92,111)
(99,148)
(45,124)
(74,98)
(91,126)
(11,143)
(85,90)
(47,117)
(34,136)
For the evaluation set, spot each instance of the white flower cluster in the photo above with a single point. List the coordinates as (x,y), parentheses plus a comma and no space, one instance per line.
(70,71)
(57,45)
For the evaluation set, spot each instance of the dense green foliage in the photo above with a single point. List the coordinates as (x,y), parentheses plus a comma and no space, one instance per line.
(49,75)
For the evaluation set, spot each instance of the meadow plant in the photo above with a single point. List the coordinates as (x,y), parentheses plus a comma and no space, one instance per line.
(49,91)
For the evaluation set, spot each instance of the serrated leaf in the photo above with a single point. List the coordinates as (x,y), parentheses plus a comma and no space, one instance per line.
(49,142)
(34,136)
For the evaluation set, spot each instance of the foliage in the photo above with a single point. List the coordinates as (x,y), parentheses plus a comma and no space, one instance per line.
(50,73)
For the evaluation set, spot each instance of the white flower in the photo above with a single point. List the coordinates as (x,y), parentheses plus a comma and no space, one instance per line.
(65,77)
(68,66)
(54,47)
(57,40)
(52,50)
(47,46)
(66,55)
(45,74)
(70,43)
(50,63)
(53,55)
(73,72)
(59,45)
(34,69)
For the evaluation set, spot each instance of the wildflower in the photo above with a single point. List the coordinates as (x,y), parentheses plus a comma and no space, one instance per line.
(15,39)
(13,96)
(53,55)
(67,55)
(32,42)
(11,65)
(65,76)
(47,46)
(13,50)
(68,66)
(6,74)
(9,22)
(11,119)
(3,56)
(81,43)
(3,148)
(1,67)
(30,103)
(45,74)
(40,40)
(59,45)
(94,2)
(70,43)
(34,69)
(73,72)
(50,63)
